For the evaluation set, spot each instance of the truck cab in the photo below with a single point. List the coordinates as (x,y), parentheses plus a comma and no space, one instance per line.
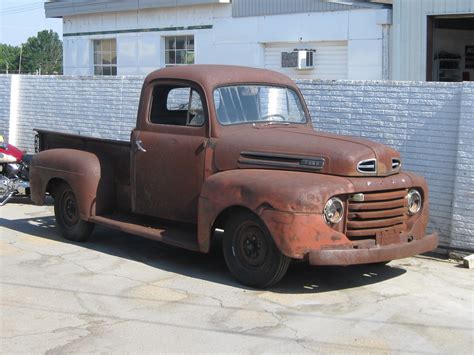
(233,149)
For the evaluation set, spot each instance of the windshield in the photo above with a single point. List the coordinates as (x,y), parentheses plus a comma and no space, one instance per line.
(257,103)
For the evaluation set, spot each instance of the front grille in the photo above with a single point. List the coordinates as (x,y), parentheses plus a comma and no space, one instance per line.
(376,212)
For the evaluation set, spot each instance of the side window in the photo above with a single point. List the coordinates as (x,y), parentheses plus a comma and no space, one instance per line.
(178,99)
(177,106)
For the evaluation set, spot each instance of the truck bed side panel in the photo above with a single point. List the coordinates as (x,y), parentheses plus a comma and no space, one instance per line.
(114,157)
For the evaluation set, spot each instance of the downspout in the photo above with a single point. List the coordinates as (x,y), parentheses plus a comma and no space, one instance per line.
(386,49)
(384,19)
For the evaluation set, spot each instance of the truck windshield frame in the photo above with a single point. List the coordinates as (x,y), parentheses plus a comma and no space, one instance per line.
(258,103)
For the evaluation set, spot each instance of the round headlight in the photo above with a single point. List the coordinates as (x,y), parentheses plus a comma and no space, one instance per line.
(333,211)
(414,201)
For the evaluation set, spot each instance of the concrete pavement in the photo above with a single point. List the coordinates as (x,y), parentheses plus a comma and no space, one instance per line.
(121,293)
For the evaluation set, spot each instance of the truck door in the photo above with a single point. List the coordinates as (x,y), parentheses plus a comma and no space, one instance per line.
(168,150)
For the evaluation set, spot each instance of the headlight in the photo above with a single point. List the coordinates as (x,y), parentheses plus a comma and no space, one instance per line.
(333,211)
(414,201)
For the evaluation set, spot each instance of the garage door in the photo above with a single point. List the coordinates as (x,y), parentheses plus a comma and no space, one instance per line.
(330,59)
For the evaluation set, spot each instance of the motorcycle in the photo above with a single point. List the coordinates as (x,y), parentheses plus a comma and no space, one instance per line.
(14,172)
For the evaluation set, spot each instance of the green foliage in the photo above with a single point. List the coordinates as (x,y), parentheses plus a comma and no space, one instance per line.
(9,58)
(40,54)
(43,53)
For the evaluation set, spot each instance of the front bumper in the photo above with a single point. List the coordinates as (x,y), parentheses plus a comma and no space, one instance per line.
(373,255)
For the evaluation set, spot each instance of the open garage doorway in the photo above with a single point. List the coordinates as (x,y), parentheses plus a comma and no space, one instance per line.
(450,48)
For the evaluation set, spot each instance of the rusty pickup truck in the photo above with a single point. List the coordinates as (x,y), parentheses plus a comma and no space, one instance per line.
(233,150)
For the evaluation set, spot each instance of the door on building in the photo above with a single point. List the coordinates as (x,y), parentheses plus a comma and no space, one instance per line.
(450,48)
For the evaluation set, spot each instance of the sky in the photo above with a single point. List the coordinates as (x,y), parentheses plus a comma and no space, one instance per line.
(20,19)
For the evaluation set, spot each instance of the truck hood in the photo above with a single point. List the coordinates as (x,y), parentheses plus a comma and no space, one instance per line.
(304,149)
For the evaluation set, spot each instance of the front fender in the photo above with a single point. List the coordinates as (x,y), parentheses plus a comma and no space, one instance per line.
(262,191)
(80,169)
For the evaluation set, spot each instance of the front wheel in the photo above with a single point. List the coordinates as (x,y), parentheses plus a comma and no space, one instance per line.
(381,263)
(66,211)
(250,252)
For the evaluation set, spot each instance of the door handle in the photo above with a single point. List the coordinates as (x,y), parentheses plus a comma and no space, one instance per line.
(139,145)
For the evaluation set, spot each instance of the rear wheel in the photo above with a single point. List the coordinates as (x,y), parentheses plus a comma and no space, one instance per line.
(250,252)
(66,211)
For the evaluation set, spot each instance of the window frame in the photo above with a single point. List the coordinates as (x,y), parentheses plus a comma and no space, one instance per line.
(180,129)
(185,49)
(101,65)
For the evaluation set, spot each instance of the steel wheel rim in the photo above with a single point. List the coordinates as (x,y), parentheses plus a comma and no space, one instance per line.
(69,212)
(251,245)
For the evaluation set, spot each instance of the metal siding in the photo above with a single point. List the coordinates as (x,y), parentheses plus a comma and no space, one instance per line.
(330,60)
(80,7)
(246,8)
(464,5)
(409,33)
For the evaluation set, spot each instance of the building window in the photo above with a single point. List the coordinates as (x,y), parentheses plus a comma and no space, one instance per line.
(105,57)
(179,50)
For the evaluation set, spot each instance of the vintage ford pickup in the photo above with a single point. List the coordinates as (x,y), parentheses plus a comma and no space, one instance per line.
(233,149)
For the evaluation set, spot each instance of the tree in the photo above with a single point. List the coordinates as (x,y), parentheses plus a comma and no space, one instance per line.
(9,58)
(43,53)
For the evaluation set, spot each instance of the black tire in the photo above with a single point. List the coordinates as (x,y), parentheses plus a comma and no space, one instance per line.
(381,263)
(250,252)
(67,216)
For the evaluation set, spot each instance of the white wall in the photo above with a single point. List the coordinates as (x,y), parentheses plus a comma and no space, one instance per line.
(230,41)
(429,123)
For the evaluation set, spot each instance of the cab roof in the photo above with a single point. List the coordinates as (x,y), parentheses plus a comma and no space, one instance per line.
(210,76)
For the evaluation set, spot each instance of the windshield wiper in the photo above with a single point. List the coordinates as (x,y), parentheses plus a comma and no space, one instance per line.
(276,122)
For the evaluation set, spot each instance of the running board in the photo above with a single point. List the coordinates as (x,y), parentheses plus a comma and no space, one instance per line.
(166,232)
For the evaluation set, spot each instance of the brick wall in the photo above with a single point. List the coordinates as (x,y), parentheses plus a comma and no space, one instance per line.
(96,106)
(431,124)
(462,226)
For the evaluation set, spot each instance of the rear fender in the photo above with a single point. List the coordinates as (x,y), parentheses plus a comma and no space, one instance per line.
(80,169)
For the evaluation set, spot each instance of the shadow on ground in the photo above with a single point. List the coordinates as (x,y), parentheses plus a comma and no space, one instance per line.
(301,277)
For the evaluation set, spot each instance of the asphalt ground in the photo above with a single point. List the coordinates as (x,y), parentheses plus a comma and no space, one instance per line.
(122,293)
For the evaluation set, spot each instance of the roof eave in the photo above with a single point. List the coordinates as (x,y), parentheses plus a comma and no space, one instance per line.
(62,8)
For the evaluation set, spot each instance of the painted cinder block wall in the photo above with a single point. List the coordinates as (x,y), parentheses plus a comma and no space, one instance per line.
(431,124)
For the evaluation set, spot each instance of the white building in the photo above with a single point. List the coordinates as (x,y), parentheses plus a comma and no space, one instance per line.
(335,39)
(433,40)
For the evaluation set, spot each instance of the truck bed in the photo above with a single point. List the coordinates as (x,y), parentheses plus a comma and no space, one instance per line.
(114,154)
